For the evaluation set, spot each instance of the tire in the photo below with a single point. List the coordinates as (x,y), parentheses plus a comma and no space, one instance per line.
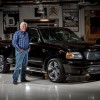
(95,76)
(55,70)
(4,68)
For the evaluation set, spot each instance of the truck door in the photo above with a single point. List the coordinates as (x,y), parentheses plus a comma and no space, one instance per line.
(35,54)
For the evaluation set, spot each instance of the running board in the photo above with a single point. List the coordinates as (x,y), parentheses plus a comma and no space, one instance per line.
(34,69)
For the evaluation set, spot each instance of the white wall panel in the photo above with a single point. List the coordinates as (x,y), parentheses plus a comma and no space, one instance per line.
(1,24)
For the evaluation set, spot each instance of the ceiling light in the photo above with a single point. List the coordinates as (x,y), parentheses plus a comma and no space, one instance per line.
(37,1)
(83,3)
(44,18)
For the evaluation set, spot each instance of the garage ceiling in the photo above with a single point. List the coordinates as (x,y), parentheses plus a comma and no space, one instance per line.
(31,2)
(27,2)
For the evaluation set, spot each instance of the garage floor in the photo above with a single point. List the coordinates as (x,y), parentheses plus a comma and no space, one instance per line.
(40,89)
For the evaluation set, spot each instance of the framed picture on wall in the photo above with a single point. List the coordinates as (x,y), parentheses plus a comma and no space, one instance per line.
(10,21)
(71,19)
(94,22)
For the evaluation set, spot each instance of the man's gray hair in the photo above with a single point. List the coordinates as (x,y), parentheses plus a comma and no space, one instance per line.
(23,23)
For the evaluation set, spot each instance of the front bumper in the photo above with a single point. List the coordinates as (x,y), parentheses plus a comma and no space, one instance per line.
(94,69)
(82,68)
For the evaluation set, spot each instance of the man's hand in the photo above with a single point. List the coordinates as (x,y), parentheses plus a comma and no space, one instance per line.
(20,50)
(28,50)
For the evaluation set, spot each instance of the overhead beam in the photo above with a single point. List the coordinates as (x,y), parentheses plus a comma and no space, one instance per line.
(30,2)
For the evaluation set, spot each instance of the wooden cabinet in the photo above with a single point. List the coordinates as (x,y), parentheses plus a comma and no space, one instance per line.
(92,26)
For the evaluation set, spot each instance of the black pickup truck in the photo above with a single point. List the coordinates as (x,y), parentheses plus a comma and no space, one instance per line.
(56,51)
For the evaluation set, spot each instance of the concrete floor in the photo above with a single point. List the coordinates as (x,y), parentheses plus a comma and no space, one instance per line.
(41,89)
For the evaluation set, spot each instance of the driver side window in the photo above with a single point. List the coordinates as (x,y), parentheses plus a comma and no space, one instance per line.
(33,35)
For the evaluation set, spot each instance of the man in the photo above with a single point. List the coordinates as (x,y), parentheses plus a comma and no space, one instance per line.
(20,42)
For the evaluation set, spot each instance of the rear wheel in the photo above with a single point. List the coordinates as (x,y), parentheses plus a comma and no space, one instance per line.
(55,70)
(4,68)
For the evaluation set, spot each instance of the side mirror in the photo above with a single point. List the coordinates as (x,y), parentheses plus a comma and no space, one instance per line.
(36,40)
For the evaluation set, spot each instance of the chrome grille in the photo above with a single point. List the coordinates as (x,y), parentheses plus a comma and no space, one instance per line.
(92,55)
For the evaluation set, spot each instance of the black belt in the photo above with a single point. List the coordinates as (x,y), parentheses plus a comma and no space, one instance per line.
(23,49)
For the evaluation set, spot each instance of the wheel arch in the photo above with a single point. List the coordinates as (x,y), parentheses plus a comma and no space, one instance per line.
(47,59)
(61,73)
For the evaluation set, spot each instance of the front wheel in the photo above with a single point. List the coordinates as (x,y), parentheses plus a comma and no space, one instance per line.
(4,68)
(55,70)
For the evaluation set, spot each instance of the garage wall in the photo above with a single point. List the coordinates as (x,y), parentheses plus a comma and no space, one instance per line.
(8,9)
(1,24)
(80,32)
(81,23)
(31,13)
(27,12)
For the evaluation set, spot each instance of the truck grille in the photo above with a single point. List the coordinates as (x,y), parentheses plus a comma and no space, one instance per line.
(92,55)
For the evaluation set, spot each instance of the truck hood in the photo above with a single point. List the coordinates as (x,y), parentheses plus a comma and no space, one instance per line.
(76,46)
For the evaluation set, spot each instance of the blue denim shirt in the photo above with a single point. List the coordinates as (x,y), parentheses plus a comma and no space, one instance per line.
(20,40)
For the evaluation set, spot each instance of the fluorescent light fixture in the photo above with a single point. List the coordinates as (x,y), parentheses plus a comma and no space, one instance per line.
(37,1)
(44,18)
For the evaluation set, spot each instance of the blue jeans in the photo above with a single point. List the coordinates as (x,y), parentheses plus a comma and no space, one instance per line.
(21,64)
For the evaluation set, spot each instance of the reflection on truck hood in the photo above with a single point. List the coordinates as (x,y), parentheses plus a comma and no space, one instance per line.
(77,46)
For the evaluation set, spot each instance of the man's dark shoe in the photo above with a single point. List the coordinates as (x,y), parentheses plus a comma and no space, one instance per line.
(15,82)
(25,80)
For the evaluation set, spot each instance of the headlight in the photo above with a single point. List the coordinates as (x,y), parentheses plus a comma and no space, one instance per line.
(73,55)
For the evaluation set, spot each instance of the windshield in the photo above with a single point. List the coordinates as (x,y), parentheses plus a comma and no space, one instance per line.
(59,34)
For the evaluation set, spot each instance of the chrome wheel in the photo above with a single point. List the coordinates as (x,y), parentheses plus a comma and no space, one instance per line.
(55,70)
(4,67)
